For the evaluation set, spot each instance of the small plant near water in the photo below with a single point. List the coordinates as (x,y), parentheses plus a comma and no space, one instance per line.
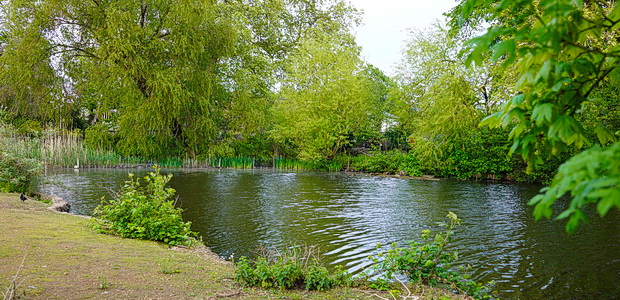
(429,262)
(145,212)
(296,267)
(17,173)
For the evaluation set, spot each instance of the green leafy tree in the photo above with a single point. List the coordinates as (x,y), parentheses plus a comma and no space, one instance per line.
(567,58)
(325,97)
(28,83)
(441,101)
(152,64)
(268,32)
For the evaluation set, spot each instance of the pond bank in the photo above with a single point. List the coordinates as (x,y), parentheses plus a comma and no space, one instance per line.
(64,259)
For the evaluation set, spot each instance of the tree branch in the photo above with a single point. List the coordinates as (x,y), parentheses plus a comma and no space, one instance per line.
(69,48)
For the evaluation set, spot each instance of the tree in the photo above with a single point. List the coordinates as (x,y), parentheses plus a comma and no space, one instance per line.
(152,77)
(153,65)
(325,97)
(268,32)
(28,84)
(441,101)
(566,52)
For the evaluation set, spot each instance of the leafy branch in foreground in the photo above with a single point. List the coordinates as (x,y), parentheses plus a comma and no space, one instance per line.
(568,58)
(145,212)
(430,263)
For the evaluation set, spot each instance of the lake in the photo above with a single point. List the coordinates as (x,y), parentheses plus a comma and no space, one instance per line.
(346,215)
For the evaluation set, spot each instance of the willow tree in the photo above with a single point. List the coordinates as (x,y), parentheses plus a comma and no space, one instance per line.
(441,101)
(29,85)
(268,32)
(326,98)
(150,65)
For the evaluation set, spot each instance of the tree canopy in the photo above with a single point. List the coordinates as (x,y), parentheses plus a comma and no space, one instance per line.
(326,98)
(161,77)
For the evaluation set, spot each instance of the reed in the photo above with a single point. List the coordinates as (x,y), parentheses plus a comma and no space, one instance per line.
(239,162)
(282,163)
(62,149)
(65,149)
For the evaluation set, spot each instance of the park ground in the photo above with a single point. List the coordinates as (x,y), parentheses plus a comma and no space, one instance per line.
(50,255)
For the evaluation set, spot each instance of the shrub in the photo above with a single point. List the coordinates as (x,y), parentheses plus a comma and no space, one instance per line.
(296,267)
(430,263)
(19,159)
(145,212)
(391,162)
(17,173)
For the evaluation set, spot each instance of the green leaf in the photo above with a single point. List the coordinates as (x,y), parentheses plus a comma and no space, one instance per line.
(565,214)
(575,219)
(603,135)
(614,15)
(504,48)
(491,120)
(543,73)
(542,210)
(542,113)
(604,205)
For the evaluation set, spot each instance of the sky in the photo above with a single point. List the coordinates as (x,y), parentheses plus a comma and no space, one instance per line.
(387,23)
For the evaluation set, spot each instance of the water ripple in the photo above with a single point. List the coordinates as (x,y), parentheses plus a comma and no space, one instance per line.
(237,211)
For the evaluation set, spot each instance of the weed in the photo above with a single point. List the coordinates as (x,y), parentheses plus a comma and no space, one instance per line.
(103,282)
(297,267)
(10,292)
(145,212)
(168,266)
(428,262)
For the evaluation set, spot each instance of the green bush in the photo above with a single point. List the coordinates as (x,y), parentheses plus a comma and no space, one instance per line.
(391,162)
(295,268)
(145,212)
(17,173)
(430,263)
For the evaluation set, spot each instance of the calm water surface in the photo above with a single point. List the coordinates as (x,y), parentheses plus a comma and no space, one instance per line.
(347,215)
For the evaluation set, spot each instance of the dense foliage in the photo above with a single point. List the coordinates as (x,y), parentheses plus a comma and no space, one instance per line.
(17,173)
(430,262)
(296,267)
(567,60)
(18,166)
(145,212)
(387,162)
(270,80)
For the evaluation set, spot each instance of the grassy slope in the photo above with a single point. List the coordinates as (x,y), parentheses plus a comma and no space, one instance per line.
(65,259)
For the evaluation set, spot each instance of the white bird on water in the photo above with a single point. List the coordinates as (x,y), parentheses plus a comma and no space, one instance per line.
(78,164)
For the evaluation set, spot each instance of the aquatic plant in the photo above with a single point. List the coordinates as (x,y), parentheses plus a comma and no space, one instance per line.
(430,262)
